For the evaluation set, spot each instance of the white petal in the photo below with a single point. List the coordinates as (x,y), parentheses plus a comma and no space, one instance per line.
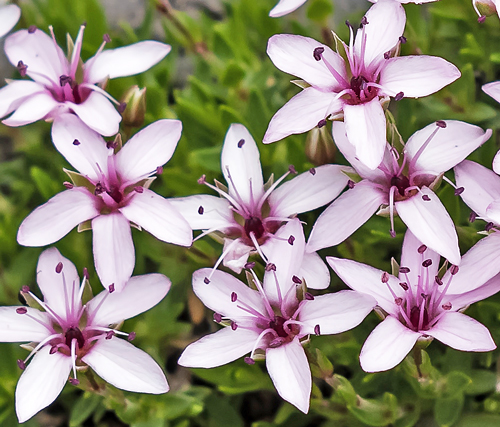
(56,218)
(314,271)
(496,162)
(114,255)
(126,367)
(288,367)
(365,128)
(139,295)
(285,6)
(237,253)
(462,300)
(16,327)
(308,191)
(335,313)
(219,348)
(156,215)
(15,93)
(387,346)
(41,382)
(148,149)
(352,209)
(492,89)
(240,162)
(125,61)
(33,108)
(431,224)
(9,15)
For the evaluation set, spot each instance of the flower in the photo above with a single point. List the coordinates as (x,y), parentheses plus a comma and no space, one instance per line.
(404,185)
(60,85)
(9,15)
(271,320)
(70,336)
(112,191)
(250,212)
(484,8)
(285,7)
(419,305)
(358,91)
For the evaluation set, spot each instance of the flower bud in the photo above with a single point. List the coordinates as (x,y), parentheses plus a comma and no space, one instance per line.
(320,148)
(484,7)
(135,100)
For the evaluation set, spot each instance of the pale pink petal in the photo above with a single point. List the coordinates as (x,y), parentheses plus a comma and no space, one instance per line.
(126,367)
(15,93)
(496,163)
(15,327)
(237,254)
(351,210)
(9,15)
(139,295)
(365,128)
(56,218)
(448,147)
(114,255)
(302,113)
(98,113)
(429,221)
(461,300)
(88,155)
(285,6)
(416,76)
(492,89)
(387,345)
(288,367)
(493,212)
(41,382)
(148,149)
(156,215)
(335,313)
(219,348)
(462,332)
(309,190)
(32,109)
(125,61)
(295,55)
(314,271)
(481,186)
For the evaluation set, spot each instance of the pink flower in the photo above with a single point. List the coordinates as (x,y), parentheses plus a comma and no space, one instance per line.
(60,85)
(9,15)
(113,193)
(70,335)
(250,212)
(285,7)
(404,186)
(418,305)
(271,321)
(358,91)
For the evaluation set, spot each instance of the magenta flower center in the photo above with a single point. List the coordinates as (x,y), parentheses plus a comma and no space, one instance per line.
(254,225)
(74,333)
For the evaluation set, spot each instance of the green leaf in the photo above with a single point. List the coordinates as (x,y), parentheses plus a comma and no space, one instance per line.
(319,10)
(454,384)
(482,381)
(83,408)
(222,413)
(479,420)
(44,183)
(448,410)
(376,412)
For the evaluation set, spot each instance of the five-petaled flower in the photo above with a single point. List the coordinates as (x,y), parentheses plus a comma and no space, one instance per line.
(62,85)
(357,91)
(69,335)
(112,191)
(9,15)
(271,321)
(419,305)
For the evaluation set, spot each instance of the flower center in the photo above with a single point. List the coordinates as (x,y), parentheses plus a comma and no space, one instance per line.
(74,333)
(254,225)
(401,182)
(415,319)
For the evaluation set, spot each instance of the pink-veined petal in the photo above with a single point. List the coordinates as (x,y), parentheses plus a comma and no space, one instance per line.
(126,367)
(496,163)
(335,313)
(314,271)
(9,15)
(462,332)
(237,254)
(15,327)
(309,190)
(148,149)
(139,295)
(461,300)
(156,215)
(492,89)
(303,112)
(284,7)
(41,382)
(345,215)
(219,348)
(15,93)
(32,109)
(114,255)
(125,61)
(365,128)
(429,221)
(56,218)
(493,211)
(387,345)
(289,370)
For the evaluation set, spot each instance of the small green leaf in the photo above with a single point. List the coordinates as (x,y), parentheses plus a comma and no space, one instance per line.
(83,408)
(448,410)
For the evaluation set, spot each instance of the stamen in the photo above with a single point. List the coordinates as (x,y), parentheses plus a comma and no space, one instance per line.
(399,96)
(201,210)
(317,330)
(481,19)
(234,326)
(32,29)
(438,281)
(318,56)
(404,285)
(275,343)
(22,68)
(111,288)
(312,171)
(59,267)
(217,317)
(427,263)
(76,142)
(249,361)
(447,306)
(489,226)
(404,270)
(441,124)
(472,217)
(292,170)
(291,239)
(308,296)
(240,143)
(318,52)
(270,266)
(159,170)
(385,277)
(402,39)
(454,269)
(139,189)
(321,123)
(391,210)
(131,336)
(106,38)
(206,280)
(21,364)
(426,198)
(234,297)
(21,310)
(296,280)
(351,184)
(68,185)
(459,191)
(421,249)
(249,265)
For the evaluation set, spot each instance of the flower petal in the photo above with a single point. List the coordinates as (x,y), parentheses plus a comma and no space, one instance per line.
(284,7)
(429,221)
(492,89)
(15,327)
(114,255)
(126,367)
(156,215)
(314,271)
(288,367)
(56,218)
(125,61)
(219,348)
(41,382)
(335,313)
(15,93)
(365,128)
(496,162)
(462,300)
(33,108)
(462,332)
(387,345)
(236,254)
(352,209)
(10,14)
(148,149)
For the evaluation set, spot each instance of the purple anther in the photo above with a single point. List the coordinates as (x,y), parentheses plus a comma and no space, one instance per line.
(481,19)
(349,25)
(234,296)
(399,96)
(25,289)
(217,317)
(64,79)
(74,381)
(308,296)
(427,263)
(321,123)
(438,281)
(76,142)
(317,330)
(292,170)
(21,364)
(392,233)
(398,301)
(111,288)
(53,349)
(201,210)
(402,39)
(312,171)
(472,217)
(447,306)
(249,361)
(110,144)
(234,326)
(159,170)
(385,277)
(249,265)
(131,336)
(421,249)
(139,189)
(404,270)
(441,124)
(59,267)
(404,285)
(459,191)
(241,142)
(296,280)
(426,198)
(206,281)
(86,273)
(21,67)
(84,24)
(364,21)
(489,226)
(351,184)
(424,296)
(68,185)
(32,29)
(21,310)
(110,334)
(121,107)
(270,266)
(454,269)
(291,239)
(202,179)
(318,52)
(106,38)
(276,342)
(387,55)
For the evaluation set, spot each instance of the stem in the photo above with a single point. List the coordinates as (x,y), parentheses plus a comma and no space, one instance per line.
(417,357)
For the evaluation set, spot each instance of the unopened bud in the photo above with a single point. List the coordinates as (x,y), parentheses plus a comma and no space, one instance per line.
(484,7)
(320,148)
(135,99)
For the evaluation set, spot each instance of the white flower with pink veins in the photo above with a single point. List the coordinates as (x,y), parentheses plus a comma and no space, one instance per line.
(61,85)
(70,335)
(9,15)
